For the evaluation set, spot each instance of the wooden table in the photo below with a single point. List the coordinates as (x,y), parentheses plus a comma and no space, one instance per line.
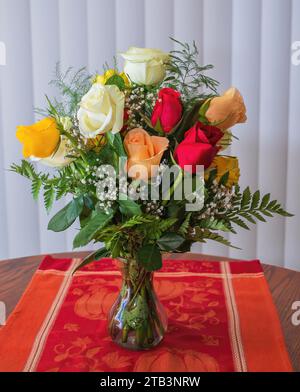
(284,284)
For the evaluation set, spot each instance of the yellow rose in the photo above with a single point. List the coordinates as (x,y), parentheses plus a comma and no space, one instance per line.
(101,110)
(225,164)
(144,150)
(145,66)
(227,110)
(39,140)
(108,74)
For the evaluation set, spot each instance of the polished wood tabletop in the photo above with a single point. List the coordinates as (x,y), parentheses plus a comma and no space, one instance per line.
(284,284)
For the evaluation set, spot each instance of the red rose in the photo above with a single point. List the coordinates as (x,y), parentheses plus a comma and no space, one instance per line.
(198,146)
(167,109)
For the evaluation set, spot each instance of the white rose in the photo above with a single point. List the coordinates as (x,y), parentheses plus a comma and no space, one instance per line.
(101,110)
(145,66)
(59,158)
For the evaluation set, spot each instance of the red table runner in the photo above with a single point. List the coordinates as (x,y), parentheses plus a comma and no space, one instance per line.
(221,318)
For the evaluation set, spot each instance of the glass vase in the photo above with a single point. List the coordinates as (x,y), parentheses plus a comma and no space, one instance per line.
(137,320)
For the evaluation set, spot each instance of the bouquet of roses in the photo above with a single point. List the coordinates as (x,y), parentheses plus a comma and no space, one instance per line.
(143,154)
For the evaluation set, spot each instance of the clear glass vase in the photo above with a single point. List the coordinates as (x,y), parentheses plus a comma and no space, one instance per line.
(137,320)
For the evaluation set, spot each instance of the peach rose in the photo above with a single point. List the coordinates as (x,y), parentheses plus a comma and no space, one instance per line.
(227,110)
(144,150)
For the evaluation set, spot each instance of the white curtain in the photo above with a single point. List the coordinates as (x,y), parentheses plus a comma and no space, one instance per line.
(248,41)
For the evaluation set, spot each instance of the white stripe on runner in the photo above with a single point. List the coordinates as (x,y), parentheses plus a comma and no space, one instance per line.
(42,335)
(234,322)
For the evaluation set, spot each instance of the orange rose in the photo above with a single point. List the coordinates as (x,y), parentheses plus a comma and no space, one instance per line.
(227,110)
(144,150)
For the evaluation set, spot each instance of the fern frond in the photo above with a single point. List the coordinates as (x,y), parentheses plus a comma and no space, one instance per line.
(185,225)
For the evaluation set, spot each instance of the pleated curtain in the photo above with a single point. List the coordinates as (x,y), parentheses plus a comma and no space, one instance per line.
(248,41)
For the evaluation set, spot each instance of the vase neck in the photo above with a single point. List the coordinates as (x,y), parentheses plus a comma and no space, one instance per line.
(132,271)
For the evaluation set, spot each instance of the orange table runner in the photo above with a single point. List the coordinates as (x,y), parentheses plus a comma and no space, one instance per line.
(221,318)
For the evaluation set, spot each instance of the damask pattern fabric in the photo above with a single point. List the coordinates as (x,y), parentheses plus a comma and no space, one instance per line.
(221,319)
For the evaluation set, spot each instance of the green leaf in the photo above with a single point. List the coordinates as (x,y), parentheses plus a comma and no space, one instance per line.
(247,216)
(116,80)
(282,212)
(185,224)
(36,187)
(176,210)
(212,175)
(67,216)
(95,223)
(138,220)
(204,107)
(28,169)
(246,198)
(188,121)
(88,202)
(272,204)
(215,224)
(116,142)
(49,197)
(258,216)
(149,257)
(115,246)
(238,221)
(224,178)
(265,201)
(204,234)
(98,254)
(255,200)
(170,241)
(129,207)
(267,213)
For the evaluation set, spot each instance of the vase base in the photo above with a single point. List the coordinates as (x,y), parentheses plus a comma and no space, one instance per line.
(133,346)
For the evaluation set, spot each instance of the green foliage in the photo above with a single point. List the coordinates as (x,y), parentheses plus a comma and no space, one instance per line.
(215,224)
(187,76)
(223,180)
(185,225)
(116,142)
(67,180)
(129,207)
(36,185)
(137,317)
(202,235)
(49,196)
(72,86)
(118,81)
(97,255)
(154,230)
(67,216)
(188,120)
(170,242)
(253,208)
(138,220)
(149,257)
(94,224)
